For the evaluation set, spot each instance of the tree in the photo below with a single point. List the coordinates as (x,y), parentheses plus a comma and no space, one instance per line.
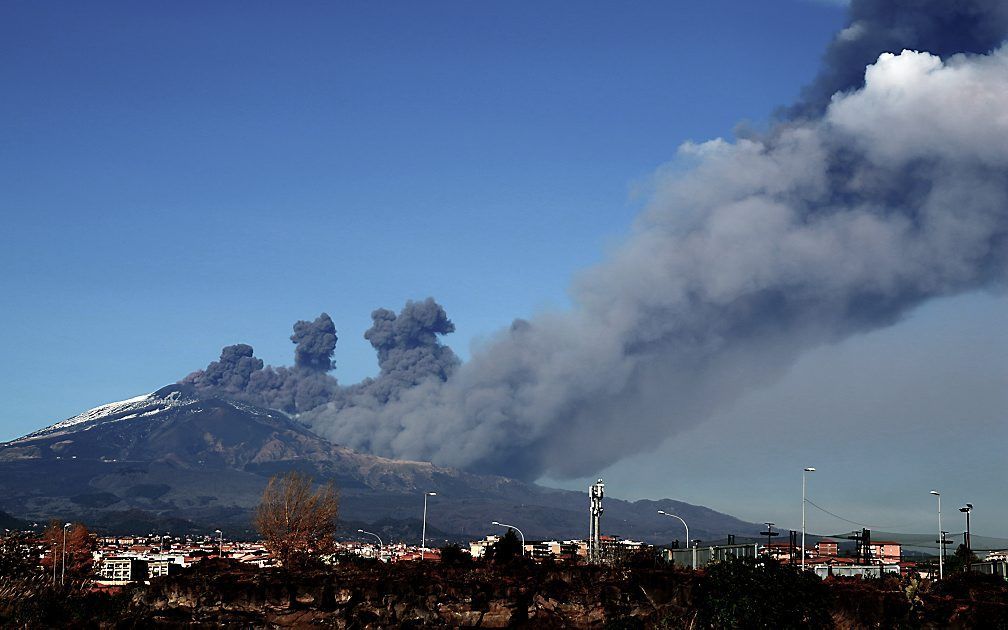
(80,546)
(297,522)
(749,593)
(960,560)
(505,550)
(453,555)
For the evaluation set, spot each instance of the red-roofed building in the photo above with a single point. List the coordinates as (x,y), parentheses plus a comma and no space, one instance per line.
(827,548)
(885,551)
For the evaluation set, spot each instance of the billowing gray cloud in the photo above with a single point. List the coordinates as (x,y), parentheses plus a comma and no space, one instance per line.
(886,186)
(941,27)
(230,375)
(316,342)
(408,347)
(240,375)
(759,250)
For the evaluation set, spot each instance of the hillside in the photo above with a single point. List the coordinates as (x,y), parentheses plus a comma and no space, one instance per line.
(180,461)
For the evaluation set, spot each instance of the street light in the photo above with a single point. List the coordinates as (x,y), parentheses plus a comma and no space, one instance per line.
(664,513)
(423,536)
(514,528)
(63,567)
(966,509)
(803,501)
(220,543)
(380,544)
(941,538)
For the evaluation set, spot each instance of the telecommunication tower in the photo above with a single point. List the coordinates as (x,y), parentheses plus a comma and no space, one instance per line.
(595,492)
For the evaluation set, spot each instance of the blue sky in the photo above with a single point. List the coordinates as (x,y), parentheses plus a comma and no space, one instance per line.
(178,178)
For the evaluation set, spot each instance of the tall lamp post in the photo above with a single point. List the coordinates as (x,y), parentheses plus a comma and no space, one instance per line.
(514,528)
(941,538)
(664,513)
(803,501)
(380,544)
(423,536)
(966,509)
(63,564)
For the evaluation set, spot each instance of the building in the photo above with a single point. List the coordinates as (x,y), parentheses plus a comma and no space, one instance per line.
(827,548)
(782,551)
(564,549)
(696,557)
(855,570)
(121,569)
(991,567)
(162,566)
(884,551)
(478,548)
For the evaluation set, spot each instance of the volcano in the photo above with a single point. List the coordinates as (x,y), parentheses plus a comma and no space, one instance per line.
(181,461)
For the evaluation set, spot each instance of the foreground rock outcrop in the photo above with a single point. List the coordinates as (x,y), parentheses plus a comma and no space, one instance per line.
(417,594)
(643,594)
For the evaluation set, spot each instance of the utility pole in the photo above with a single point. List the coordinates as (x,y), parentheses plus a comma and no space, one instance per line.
(863,542)
(769,533)
(944,542)
(966,509)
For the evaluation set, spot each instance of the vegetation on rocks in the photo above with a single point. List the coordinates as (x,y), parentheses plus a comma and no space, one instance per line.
(640,592)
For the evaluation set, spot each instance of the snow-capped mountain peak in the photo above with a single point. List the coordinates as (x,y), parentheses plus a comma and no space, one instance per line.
(124,410)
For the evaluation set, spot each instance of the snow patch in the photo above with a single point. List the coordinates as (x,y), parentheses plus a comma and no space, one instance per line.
(129,409)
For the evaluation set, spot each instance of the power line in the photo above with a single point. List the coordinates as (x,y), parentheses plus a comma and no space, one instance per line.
(846,520)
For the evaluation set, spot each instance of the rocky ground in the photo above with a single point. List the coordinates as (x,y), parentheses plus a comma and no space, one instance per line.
(371,595)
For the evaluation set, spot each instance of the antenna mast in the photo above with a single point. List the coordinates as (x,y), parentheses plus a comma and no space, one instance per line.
(595,493)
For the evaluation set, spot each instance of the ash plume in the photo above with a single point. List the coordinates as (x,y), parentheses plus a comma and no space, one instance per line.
(230,375)
(884,187)
(890,188)
(315,343)
(407,344)
(941,27)
(409,351)
(240,375)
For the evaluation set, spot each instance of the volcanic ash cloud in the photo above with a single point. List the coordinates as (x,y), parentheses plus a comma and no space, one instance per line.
(749,253)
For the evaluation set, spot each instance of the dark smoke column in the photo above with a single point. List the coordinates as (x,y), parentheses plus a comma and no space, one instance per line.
(316,343)
(229,375)
(241,376)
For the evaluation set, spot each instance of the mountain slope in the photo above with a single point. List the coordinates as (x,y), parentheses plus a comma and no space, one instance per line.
(175,455)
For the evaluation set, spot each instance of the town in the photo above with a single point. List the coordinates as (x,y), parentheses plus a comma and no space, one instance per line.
(120,560)
(116,561)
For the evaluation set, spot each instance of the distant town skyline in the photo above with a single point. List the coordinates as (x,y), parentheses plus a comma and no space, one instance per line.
(174,185)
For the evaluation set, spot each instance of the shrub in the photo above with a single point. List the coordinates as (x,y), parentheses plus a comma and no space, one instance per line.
(748,593)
